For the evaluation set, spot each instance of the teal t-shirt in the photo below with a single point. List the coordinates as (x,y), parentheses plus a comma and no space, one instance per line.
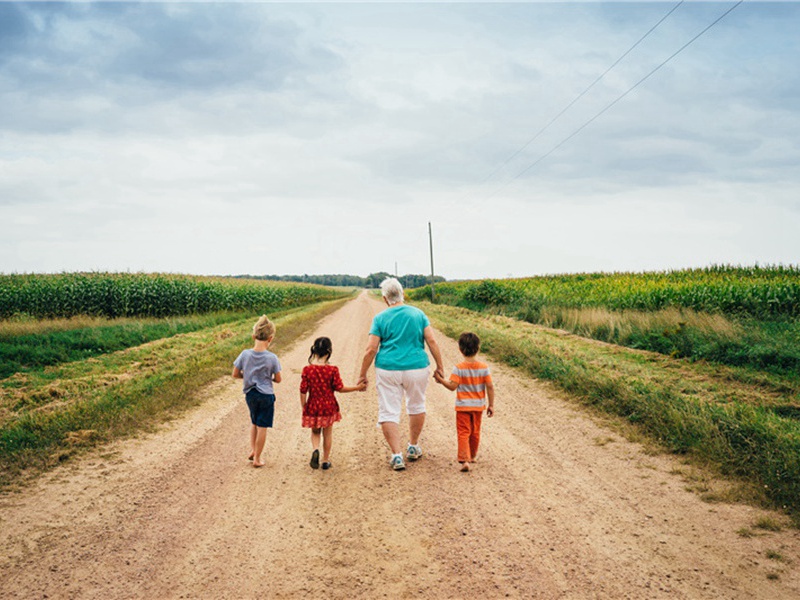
(402,339)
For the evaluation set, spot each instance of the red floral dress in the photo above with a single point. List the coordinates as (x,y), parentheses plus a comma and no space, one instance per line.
(321,409)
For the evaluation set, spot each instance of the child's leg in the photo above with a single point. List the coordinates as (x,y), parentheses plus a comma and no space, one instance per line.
(315,433)
(463,430)
(261,438)
(475,436)
(327,441)
(253,431)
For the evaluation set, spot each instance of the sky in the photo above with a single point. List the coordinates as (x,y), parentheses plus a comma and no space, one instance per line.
(290,138)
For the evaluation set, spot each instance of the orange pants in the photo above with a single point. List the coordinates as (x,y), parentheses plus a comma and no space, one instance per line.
(468,426)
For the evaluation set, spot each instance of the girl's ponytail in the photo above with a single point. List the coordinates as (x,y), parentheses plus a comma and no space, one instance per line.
(322,348)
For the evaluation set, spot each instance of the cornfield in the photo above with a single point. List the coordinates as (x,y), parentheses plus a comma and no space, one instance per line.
(761,292)
(146,295)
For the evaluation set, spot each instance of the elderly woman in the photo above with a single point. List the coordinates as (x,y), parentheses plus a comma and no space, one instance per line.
(397,345)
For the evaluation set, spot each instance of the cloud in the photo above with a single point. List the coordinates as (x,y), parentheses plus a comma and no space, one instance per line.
(89,67)
(129,128)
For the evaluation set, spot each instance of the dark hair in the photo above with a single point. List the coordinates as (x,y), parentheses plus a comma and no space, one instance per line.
(322,348)
(469,344)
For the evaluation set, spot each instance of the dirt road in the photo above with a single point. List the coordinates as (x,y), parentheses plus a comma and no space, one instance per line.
(557,507)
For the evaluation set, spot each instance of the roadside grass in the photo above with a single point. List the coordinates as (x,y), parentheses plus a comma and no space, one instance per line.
(50,415)
(766,349)
(707,413)
(30,344)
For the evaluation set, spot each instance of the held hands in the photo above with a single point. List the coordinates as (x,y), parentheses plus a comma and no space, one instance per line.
(361,386)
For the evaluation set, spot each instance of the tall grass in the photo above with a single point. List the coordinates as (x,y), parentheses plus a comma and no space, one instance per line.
(623,326)
(115,295)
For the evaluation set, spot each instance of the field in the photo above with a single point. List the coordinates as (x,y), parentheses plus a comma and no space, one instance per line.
(752,291)
(116,295)
(738,316)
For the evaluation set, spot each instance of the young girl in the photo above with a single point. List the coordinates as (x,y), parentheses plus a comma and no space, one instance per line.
(320,409)
(260,369)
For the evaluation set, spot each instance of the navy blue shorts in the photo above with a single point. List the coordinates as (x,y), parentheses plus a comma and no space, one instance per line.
(262,407)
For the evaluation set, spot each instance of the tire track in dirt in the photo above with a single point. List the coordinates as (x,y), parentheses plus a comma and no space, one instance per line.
(557,507)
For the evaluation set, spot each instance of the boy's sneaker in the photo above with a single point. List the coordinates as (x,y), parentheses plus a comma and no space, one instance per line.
(413,452)
(397,463)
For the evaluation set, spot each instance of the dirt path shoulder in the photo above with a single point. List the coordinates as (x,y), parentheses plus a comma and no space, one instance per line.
(557,507)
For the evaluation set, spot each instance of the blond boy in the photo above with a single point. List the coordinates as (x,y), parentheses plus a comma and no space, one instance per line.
(259,368)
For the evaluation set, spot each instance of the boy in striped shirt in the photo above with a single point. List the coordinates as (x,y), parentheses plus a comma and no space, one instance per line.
(472,383)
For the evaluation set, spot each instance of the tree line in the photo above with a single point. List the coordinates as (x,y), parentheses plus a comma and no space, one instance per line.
(372,280)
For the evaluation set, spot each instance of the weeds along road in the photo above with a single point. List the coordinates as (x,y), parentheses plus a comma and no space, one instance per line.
(557,507)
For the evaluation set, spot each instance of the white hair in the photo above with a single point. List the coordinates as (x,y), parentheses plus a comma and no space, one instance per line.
(392,290)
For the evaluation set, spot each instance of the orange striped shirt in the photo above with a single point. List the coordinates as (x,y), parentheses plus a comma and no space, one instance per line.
(471,377)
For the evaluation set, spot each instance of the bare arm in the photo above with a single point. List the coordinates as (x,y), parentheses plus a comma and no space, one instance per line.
(490,396)
(303,399)
(237,373)
(276,377)
(450,385)
(353,388)
(434,348)
(369,355)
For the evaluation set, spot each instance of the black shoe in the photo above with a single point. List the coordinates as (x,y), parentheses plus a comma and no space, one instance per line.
(326,466)
(315,459)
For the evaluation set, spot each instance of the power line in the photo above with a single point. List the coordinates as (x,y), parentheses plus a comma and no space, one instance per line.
(582,94)
(633,87)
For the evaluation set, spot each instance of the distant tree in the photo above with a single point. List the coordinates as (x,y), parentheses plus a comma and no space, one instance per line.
(373,280)
(414,281)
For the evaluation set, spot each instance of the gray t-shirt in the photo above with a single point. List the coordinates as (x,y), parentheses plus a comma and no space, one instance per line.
(258,369)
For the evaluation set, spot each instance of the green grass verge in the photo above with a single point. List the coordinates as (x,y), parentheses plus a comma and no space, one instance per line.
(746,430)
(50,415)
(31,351)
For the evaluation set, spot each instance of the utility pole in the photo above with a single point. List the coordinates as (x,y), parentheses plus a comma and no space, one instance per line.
(430,237)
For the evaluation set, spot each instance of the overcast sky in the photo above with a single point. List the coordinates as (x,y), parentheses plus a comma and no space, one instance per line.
(322,138)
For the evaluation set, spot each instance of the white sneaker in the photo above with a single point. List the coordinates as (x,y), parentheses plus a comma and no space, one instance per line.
(397,462)
(413,452)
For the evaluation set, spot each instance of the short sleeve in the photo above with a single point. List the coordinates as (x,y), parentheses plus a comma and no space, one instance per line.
(336,379)
(277,365)
(375,328)
(239,362)
(455,376)
(304,381)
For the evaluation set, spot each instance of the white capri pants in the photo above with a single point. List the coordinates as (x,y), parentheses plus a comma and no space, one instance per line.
(391,385)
